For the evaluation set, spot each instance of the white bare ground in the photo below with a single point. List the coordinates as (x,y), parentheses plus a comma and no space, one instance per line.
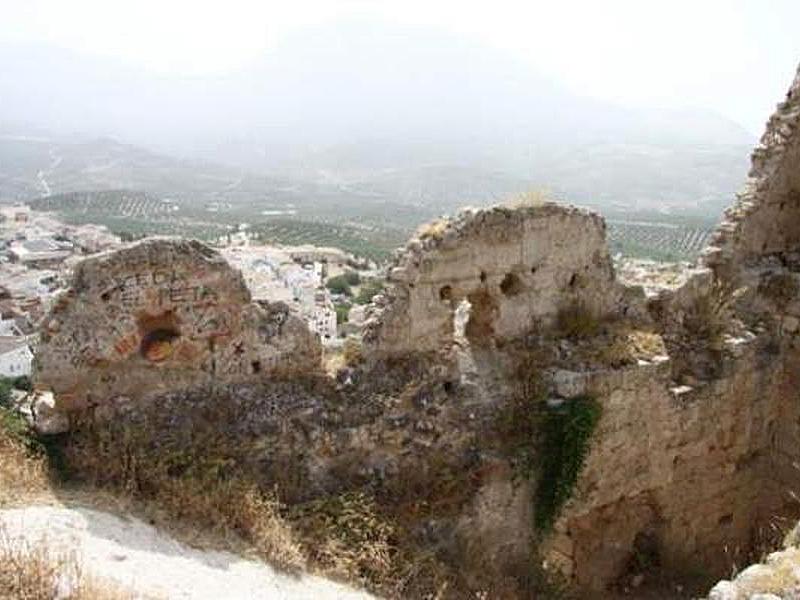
(151,564)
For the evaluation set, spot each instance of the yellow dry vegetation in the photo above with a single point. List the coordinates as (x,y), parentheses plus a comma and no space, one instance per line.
(22,475)
(41,573)
(531,198)
(434,229)
(628,345)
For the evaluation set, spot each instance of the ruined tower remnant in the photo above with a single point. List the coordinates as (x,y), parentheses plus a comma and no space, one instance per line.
(162,315)
(517,268)
(766,217)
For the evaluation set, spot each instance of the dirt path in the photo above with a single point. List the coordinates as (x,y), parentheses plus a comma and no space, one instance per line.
(140,558)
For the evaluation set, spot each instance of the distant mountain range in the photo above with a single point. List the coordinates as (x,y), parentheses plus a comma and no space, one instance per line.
(360,115)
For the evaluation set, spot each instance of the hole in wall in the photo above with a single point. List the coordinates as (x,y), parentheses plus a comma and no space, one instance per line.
(479,328)
(446,293)
(158,336)
(483,277)
(511,285)
(157,345)
(647,550)
(256,365)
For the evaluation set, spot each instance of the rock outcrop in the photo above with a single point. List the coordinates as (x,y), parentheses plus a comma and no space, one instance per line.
(162,315)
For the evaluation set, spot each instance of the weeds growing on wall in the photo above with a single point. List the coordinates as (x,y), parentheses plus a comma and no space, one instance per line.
(546,445)
(566,433)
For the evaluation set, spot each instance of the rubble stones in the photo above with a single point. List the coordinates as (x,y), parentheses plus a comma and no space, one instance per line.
(47,420)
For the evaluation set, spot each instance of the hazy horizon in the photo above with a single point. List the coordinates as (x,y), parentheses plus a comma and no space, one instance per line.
(733,58)
(354,116)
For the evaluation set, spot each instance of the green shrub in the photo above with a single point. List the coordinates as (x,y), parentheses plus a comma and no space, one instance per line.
(5,393)
(15,428)
(369,289)
(352,277)
(22,383)
(339,285)
(342,312)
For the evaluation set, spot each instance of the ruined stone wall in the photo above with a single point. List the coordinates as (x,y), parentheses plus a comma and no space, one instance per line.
(766,216)
(516,267)
(698,470)
(688,470)
(689,461)
(163,315)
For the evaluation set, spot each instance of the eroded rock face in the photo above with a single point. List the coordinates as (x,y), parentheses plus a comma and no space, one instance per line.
(517,268)
(162,315)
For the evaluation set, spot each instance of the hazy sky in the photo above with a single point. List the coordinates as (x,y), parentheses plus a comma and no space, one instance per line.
(736,56)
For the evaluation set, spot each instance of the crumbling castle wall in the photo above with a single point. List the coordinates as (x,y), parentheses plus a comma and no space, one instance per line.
(517,268)
(688,472)
(162,315)
(765,219)
(697,471)
(686,463)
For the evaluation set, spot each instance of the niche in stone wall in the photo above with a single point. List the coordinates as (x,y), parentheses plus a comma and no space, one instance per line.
(511,285)
(158,335)
(483,311)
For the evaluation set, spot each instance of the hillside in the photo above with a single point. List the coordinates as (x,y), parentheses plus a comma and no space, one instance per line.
(414,123)
(368,212)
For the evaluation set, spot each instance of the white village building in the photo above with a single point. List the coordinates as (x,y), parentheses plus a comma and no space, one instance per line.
(15,357)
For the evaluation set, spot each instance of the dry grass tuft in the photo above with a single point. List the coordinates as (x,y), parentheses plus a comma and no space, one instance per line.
(22,474)
(353,351)
(41,573)
(628,346)
(346,537)
(434,229)
(711,314)
(195,474)
(781,288)
(531,198)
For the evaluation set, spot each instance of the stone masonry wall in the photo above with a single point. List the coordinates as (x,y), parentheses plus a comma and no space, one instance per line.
(517,268)
(766,216)
(698,470)
(688,470)
(163,315)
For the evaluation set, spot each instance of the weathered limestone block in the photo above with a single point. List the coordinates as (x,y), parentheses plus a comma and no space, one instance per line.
(778,578)
(517,268)
(163,315)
